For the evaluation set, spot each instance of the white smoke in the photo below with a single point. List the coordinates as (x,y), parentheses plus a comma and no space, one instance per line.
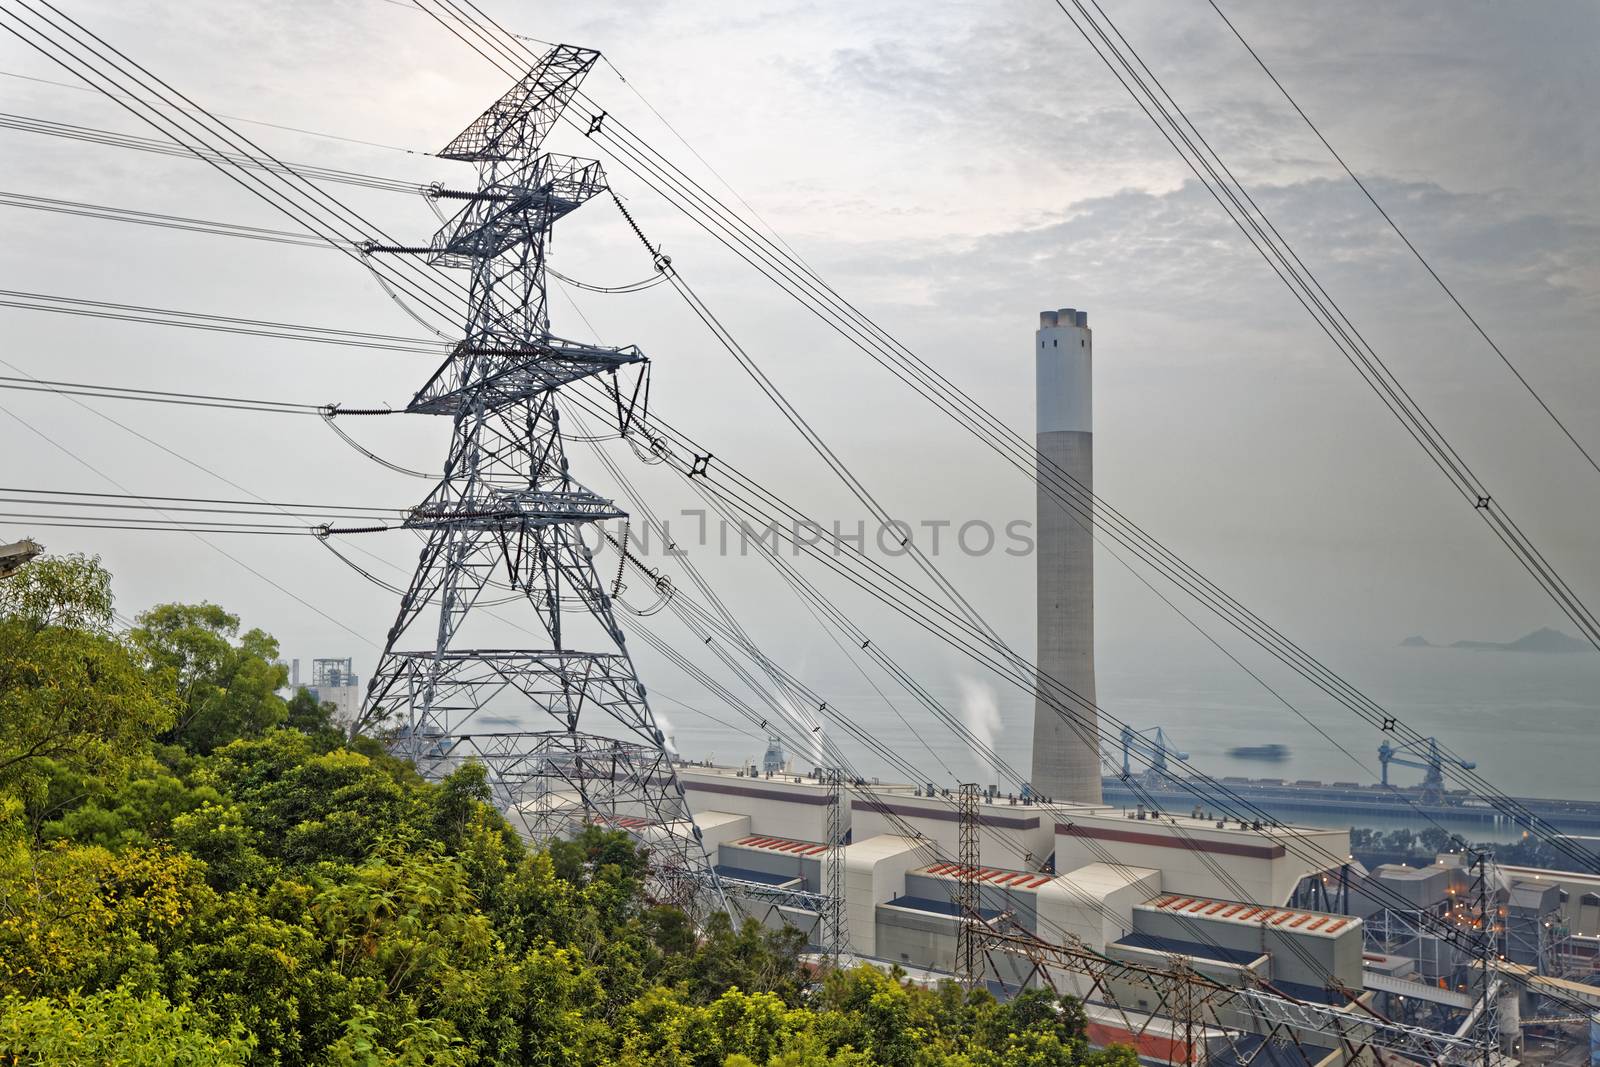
(812,736)
(981,713)
(665,726)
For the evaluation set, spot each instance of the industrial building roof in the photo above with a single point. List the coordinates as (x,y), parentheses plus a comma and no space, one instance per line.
(1172,946)
(782,844)
(1535,896)
(1101,879)
(990,875)
(706,772)
(1399,872)
(1312,923)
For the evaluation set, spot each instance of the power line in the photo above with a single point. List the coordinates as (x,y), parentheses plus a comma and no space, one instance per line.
(113,139)
(1412,248)
(124,522)
(151,218)
(785,681)
(989,427)
(151,499)
(1230,194)
(213,227)
(195,320)
(235,118)
(197,533)
(209,528)
(216,227)
(458,34)
(159,396)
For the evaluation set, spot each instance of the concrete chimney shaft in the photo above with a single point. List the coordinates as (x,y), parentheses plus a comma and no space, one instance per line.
(1066,745)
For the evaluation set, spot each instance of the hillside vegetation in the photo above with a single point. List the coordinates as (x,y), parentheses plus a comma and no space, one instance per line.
(194,870)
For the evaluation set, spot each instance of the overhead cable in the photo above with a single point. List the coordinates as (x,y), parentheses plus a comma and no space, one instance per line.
(1412,248)
(70,131)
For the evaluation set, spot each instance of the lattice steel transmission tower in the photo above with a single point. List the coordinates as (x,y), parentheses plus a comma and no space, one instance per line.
(835,932)
(507,518)
(969,857)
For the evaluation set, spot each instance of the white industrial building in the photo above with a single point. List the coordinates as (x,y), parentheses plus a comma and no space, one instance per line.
(333,681)
(1081,869)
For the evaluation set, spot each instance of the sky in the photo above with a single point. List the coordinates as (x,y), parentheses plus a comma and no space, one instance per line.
(952,169)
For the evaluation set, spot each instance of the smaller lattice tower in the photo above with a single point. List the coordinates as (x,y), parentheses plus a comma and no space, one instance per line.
(835,932)
(970,860)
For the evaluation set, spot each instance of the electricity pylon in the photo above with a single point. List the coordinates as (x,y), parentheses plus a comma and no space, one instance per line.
(508,516)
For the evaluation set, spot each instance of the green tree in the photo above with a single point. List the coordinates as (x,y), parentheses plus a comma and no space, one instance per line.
(1042,1011)
(749,956)
(226,689)
(253,890)
(70,591)
(461,796)
(115,1028)
(1436,839)
(135,808)
(69,691)
(423,1043)
(408,918)
(309,807)
(1401,840)
(304,712)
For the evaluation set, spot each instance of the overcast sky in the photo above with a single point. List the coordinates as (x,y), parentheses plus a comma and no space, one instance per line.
(950,167)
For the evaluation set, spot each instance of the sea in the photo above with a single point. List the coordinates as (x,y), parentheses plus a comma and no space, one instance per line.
(1529,721)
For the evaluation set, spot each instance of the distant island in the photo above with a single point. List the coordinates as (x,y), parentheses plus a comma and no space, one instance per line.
(1541,640)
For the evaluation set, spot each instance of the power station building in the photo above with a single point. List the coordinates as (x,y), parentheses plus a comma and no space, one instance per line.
(1129,885)
(1077,869)
(333,681)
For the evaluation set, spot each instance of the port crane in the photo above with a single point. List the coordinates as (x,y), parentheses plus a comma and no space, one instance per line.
(1426,758)
(1153,743)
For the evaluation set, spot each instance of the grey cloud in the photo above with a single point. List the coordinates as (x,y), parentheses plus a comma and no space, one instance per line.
(1180,245)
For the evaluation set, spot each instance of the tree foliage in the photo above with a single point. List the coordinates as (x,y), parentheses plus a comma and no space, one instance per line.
(226,689)
(194,870)
(115,1028)
(69,690)
(64,591)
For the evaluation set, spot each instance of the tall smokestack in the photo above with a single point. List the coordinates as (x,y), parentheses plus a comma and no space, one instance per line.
(1066,747)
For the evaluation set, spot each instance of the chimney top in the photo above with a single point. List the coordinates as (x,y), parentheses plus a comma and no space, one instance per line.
(1063,317)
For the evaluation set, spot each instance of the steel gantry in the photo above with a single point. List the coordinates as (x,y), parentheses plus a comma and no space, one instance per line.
(508,515)
(1199,1008)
